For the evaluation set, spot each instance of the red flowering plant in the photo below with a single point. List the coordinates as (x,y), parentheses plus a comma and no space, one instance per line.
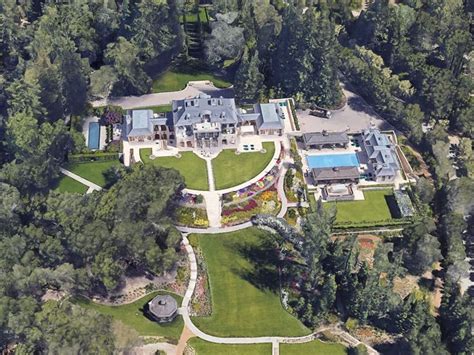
(112,115)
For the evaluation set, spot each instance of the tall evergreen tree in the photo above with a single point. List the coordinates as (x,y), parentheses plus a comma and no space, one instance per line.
(248,82)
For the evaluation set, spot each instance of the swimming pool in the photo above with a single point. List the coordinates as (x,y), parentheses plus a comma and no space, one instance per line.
(94,135)
(332,160)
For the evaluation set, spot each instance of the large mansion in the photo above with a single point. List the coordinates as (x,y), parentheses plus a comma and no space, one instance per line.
(203,122)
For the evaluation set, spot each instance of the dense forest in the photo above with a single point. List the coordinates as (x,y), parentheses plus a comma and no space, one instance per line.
(412,61)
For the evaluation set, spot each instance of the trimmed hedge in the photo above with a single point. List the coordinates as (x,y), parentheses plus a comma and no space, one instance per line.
(378,224)
(101,156)
(293,113)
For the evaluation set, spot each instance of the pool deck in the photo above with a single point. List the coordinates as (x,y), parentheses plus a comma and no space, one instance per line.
(85,131)
(332,160)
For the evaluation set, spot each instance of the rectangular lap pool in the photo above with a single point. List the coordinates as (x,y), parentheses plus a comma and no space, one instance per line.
(332,160)
(94,135)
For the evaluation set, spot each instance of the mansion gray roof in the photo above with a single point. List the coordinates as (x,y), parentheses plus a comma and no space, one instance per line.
(322,138)
(340,173)
(381,152)
(141,122)
(204,108)
(163,306)
(270,116)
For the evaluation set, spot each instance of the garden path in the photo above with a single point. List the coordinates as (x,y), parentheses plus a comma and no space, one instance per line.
(92,187)
(184,310)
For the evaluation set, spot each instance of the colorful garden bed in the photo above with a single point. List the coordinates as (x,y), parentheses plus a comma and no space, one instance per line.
(266,202)
(192,217)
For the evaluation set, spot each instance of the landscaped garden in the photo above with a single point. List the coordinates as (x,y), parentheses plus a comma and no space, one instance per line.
(93,170)
(202,347)
(175,80)
(189,165)
(192,217)
(374,209)
(313,347)
(132,315)
(67,184)
(231,169)
(266,202)
(244,286)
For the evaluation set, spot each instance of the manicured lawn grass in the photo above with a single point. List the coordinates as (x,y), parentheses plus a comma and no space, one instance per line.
(244,286)
(189,165)
(67,184)
(174,80)
(132,315)
(93,171)
(205,348)
(231,169)
(374,208)
(157,109)
(313,347)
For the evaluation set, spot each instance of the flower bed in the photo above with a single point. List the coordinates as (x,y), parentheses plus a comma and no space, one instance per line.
(266,202)
(251,190)
(192,217)
(201,304)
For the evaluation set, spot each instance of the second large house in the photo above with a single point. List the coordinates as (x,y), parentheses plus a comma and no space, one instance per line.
(203,122)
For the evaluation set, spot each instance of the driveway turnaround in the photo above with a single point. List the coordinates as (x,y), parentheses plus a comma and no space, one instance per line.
(193,89)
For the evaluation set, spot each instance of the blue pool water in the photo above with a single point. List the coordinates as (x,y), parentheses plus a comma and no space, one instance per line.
(94,135)
(332,160)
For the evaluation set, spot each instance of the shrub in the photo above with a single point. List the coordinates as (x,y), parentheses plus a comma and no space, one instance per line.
(292,213)
(111,115)
(199,198)
(95,156)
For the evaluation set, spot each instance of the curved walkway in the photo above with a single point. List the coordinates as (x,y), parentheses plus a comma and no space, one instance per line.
(184,310)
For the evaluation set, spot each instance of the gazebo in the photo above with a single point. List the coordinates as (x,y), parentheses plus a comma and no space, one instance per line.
(163,308)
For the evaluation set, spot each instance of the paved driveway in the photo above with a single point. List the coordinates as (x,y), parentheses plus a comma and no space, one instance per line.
(354,117)
(164,98)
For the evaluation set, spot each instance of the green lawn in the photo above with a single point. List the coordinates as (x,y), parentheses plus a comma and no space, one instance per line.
(231,170)
(205,348)
(244,286)
(157,109)
(314,347)
(67,184)
(192,167)
(132,315)
(93,171)
(374,208)
(174,80)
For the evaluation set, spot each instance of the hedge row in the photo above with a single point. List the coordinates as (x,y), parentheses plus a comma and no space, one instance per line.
(378,224)
(293,113)
(101,156)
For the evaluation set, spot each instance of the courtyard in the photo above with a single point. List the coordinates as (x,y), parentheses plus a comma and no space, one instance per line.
(354,117)
(231,169)
(244,289)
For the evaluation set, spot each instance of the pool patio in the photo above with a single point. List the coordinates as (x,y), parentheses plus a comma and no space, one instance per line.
(102,131)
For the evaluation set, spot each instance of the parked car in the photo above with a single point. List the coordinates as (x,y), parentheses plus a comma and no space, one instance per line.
(319,112)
